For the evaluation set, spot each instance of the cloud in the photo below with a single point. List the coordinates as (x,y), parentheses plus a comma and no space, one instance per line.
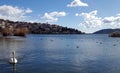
(76,3)
(28,10)
(13,13)
(91,20)
(112,20)
(53,16)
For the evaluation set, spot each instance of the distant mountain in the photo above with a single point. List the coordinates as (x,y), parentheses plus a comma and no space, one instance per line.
(106,31)
(36,28)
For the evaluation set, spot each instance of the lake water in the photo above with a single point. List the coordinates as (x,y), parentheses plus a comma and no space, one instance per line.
(61,54)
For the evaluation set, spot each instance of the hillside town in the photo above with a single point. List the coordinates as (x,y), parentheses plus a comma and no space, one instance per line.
(8,27)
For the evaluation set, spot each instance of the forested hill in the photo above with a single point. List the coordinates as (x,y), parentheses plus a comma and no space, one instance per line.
(106,31)
(38,28)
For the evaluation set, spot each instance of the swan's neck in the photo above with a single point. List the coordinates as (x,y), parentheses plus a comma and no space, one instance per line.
(13,56)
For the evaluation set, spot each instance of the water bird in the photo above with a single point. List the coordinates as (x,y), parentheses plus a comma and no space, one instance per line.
(100,42)
(114,44)
(96,42)
(41,39)
(13,60)
(77,46)
(51,40)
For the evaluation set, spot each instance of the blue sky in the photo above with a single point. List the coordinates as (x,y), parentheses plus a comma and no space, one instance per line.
(85,15)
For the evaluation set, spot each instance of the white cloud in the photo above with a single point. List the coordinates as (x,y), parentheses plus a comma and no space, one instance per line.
(76,14)
(13,13)
(53,16)
(112,20)
(91,20)
(28,10)
(76,3)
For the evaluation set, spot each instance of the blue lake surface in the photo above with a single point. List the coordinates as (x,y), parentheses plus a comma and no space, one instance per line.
(93,53)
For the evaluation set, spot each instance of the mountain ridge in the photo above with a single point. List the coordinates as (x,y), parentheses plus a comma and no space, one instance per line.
(107,31)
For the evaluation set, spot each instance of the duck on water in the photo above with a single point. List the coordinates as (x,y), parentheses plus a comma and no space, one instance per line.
(13,60)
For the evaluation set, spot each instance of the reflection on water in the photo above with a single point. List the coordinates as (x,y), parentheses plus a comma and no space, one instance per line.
(61,54)
(14,68)
(9,44)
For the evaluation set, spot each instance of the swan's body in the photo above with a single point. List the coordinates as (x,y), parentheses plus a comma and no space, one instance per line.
(13,60)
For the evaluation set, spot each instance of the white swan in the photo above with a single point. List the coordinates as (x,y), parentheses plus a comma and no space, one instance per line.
(13,60)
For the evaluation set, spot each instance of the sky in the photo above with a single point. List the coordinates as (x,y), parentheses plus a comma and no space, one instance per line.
(85,15)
